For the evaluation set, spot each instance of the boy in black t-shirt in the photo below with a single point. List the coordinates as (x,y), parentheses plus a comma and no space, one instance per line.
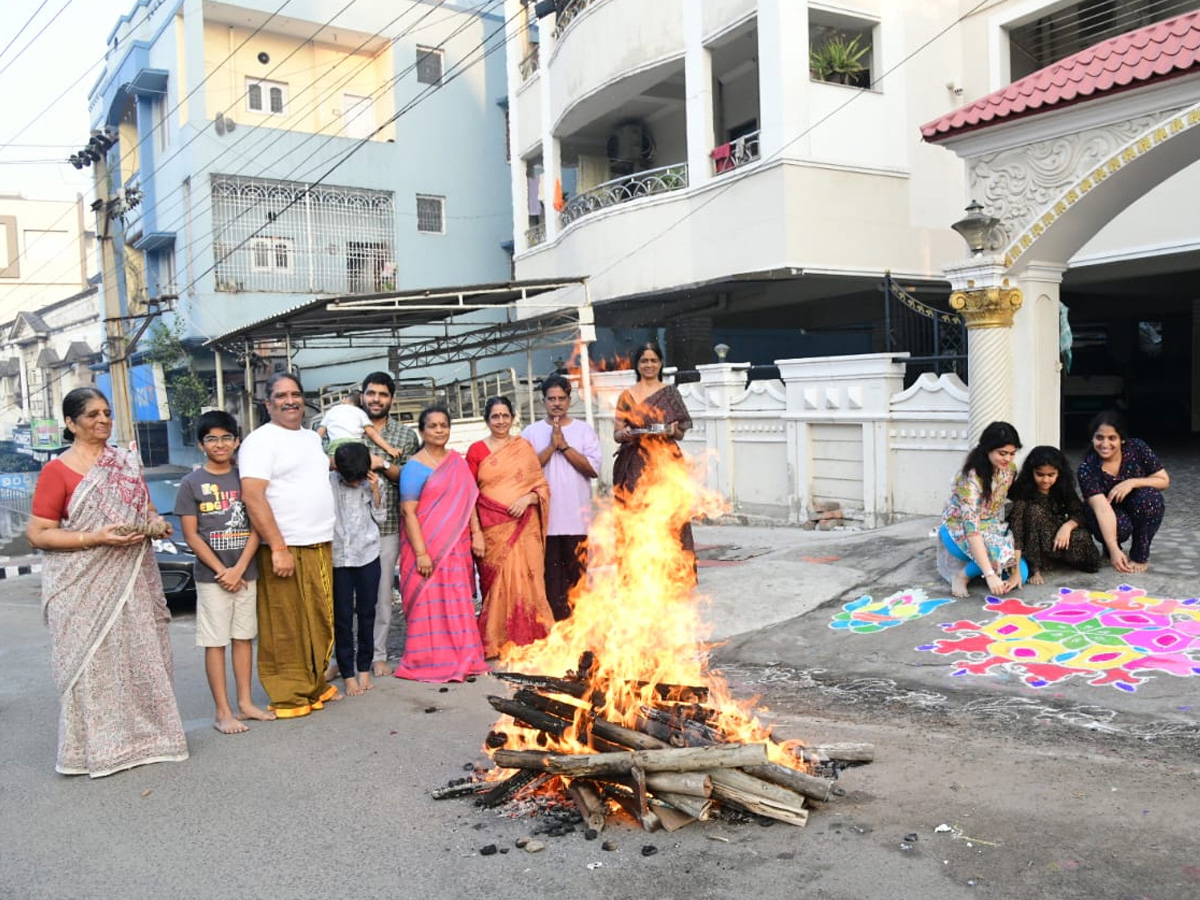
(218,530)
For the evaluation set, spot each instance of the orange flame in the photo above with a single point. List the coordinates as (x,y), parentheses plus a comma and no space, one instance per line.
(638,612)
(574,364)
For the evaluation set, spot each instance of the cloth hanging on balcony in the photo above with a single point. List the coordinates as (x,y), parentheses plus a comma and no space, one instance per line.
(535,195)
(559,203)
(722,157)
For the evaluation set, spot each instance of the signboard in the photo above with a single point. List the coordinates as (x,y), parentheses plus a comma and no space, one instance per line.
(23,439)
(147,391)
(46,434)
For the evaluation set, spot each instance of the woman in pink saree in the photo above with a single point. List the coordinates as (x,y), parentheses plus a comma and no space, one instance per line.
(437,575)
(102,599)
(514,500)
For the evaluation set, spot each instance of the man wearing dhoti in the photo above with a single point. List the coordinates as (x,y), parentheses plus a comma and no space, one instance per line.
(285,487)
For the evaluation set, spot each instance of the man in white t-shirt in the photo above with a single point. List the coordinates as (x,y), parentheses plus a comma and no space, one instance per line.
(569,451)
(285,487)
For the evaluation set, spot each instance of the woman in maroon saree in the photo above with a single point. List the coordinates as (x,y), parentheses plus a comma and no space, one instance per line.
(437,574)
(651,413)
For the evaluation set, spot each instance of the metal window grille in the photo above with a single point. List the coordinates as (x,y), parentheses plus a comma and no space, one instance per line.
(1068,29)
(287,237)
(431,214)
(429,65)
(254,97)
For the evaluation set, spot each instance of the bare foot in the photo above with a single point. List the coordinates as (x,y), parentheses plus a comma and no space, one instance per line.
(1137,568)
(380,668)
(230,725)
(352,688)
(365,682)
(1036,578)
(332,673)
(250,711)
(958,586)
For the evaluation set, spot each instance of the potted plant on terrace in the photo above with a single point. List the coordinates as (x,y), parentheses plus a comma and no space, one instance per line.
(838,60)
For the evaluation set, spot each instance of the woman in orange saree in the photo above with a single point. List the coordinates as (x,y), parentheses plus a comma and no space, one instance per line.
(512,508)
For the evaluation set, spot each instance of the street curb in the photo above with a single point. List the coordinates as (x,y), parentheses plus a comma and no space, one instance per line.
(13,571)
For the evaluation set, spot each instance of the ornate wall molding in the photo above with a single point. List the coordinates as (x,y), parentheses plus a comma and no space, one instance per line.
(1016,184)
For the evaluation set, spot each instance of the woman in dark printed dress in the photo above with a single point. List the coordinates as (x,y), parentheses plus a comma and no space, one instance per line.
(1046,514)
(1122,483)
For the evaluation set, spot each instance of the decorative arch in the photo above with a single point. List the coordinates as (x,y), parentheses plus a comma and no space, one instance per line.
(1098,189)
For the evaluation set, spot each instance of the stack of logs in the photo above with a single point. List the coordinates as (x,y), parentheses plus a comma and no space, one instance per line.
(667,773)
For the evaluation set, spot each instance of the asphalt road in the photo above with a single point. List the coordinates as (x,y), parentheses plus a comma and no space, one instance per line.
(1058,794)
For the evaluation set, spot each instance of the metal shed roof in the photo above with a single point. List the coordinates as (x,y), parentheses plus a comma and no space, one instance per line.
(376,320)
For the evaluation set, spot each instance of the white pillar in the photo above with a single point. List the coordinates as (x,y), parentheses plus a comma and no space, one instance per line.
(988,302)
(721,383)
(697,67)
(782,75)
(551,165)
(1037,379)
(514,50)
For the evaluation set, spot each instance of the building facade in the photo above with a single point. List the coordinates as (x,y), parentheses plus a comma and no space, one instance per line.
(47,252)
(744,172)
(271,160)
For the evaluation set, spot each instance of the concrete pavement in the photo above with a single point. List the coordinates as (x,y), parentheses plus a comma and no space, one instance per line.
(1038,786)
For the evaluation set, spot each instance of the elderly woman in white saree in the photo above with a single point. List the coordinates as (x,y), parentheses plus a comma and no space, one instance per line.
(102,599)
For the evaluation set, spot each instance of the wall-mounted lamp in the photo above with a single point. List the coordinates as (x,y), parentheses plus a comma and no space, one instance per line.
(976,228)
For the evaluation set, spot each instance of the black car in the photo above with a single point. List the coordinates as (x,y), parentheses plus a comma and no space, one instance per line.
(176,562)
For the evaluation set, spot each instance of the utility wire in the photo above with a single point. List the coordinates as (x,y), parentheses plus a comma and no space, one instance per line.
(21,30)
(265,134)
(49,22)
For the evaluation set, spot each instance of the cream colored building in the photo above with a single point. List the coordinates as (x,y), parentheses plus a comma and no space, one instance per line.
(715,188)
(47,251)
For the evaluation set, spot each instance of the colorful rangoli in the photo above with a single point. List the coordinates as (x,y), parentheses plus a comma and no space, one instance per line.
(1116,638)
(866,616)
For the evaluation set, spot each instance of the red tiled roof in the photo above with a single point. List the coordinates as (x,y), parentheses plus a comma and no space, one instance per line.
(1163,50)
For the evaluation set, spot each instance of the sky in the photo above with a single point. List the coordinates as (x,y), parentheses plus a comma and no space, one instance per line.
(35,70)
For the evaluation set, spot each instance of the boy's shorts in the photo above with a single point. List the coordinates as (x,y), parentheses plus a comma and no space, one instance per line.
(331,447)
(221,615)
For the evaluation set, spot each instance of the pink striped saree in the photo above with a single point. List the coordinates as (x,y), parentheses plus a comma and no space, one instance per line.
(442,638)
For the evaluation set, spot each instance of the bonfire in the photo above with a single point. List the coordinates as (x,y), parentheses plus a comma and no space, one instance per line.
(618,708)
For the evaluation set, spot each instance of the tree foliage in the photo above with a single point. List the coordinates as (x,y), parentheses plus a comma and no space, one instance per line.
(187,392)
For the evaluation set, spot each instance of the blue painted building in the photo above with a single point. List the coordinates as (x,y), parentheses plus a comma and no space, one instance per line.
(278,158)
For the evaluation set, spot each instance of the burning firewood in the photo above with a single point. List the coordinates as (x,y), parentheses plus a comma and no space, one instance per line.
(633,718)
(673,759)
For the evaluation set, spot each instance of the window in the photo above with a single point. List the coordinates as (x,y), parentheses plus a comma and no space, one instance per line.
(431,214)
(841,48)
(267,97)
(161,120)
(358,116)
(321,238)
(1046,39)
(273,254)
(429,65)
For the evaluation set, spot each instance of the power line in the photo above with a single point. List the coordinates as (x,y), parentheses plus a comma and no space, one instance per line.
(21,30)
(127,154)
(461,69)
(49,22)
(266,134)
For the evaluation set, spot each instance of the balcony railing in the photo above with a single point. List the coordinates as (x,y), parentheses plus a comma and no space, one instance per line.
(535,234)
(624,189)
(568,14)
(529,65)
(739,152)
